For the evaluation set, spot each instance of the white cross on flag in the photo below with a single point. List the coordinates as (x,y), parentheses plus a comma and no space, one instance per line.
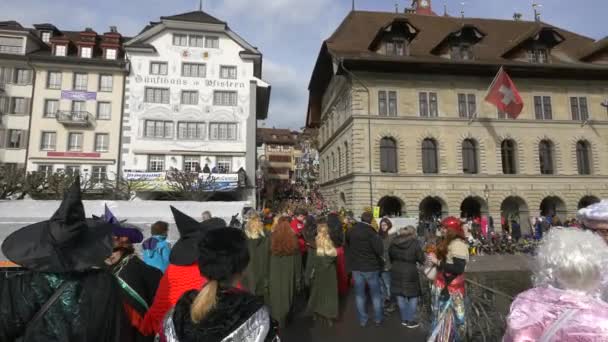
(504,95)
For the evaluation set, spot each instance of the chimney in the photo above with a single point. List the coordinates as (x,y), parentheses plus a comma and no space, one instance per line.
(113,29)
(88,29)
(517,16)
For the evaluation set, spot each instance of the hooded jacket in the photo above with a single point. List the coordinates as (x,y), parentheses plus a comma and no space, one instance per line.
(364,249)
(550,314)
(405,252)
(156,252)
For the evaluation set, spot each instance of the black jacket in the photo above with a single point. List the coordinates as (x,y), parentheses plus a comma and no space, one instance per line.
(364,249)
(405,253)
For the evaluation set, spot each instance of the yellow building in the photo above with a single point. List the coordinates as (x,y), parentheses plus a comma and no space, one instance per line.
(77,105)
(399,103)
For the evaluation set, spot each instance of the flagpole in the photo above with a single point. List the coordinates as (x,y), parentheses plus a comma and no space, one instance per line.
(474,116)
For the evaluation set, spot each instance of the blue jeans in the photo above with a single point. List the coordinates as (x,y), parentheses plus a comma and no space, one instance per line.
(372,279)
(407,308)
(385,278)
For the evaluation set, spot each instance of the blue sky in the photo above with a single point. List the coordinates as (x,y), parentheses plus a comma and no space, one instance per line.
(288,32)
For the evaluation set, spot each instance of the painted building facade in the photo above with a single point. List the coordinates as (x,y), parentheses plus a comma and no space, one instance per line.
(399,103)
(192,100)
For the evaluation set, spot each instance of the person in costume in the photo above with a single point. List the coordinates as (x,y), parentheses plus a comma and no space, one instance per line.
(65,292)
(256,275)
(448,289)
(182,274)
(405,254)
(565,304)
(156,249)
(285,270)
(137,280)
(337,235)
(595,219)
(220,312)
(321,275)
(387,235)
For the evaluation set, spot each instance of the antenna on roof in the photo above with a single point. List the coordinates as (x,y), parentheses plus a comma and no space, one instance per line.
(445,9)
(462,10)
(396,8)
(353,5)
(200,5)
(536,7)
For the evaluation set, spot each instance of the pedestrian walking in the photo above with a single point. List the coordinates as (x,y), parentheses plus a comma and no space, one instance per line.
(321,275)
(448,289)
(256,275)
(387,235)
(405,254)
(364,255)
(337,235)
(285,270)
(156,249)
(66,292)
(220,311)
(515,230)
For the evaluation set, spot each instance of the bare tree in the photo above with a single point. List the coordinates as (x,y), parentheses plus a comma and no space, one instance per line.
(183,185)
(126,189)
(11,181)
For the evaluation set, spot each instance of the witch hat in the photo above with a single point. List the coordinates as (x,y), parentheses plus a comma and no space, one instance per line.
(122,228)
(185,251)
(66,242)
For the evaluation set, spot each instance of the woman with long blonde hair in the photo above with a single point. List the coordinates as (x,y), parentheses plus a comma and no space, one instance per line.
(321,275)
(256,275)
(220,311)
(285,270)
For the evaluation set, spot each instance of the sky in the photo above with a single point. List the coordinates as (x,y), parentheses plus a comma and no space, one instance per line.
(288,32)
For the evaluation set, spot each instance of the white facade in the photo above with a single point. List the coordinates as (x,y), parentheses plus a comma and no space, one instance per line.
(191,98)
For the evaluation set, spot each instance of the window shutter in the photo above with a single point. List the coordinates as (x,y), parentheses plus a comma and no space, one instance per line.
(2,137)
(28,105)
(8,75)
(24,138)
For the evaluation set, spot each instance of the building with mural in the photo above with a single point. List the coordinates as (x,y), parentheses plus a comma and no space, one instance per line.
(192,99)
(398,99)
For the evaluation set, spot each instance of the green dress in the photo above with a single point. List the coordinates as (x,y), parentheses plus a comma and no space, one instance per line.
(285,277)
(321,274)
(256,275)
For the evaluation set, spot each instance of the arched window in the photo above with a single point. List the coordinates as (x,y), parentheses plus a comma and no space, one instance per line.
(545,157)
(583,157)
(507,148)
(469,156)
(346,158)
(388,155)
(429,156)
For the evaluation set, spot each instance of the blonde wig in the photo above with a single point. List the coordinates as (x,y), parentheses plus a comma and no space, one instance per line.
(325,247)
(255,228)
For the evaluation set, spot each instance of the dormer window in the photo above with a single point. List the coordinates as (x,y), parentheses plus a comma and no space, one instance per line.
(538,55)
(46,36)
(86,52)
(60,50)
(396,47)
(461,52)
(111,54)
(394,39)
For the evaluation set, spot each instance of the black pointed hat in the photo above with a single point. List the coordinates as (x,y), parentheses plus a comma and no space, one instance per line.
(185,250)
(66,242)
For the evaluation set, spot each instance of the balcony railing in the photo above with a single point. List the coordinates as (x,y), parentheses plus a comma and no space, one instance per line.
(75,118)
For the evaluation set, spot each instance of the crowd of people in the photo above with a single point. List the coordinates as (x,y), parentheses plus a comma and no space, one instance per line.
(84,280)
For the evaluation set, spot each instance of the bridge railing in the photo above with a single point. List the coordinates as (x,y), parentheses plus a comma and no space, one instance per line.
(486,310)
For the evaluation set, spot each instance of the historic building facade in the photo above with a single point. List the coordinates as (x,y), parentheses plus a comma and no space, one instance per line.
(192,99)
(399,103)
(16,87)
(278,153)
(77,106)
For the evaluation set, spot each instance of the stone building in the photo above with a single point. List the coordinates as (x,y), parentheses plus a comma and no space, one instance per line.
(77,104)
(16,87)
(192,99)
(398,99)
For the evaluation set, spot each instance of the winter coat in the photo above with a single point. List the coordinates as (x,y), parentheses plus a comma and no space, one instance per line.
(89,309)
(547,313)
(386,243)
(405,252)
(139,283)
(256,275)
(156,251)
(364,249)
(284,283)
(237,316)
(343,281)
(321,275)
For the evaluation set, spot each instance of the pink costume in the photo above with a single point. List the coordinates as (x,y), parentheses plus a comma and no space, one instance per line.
(548,314)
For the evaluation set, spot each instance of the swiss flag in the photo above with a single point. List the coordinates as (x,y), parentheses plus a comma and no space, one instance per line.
(504,95)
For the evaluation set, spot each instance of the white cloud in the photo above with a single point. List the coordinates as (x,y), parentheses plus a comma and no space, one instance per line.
(289,96)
